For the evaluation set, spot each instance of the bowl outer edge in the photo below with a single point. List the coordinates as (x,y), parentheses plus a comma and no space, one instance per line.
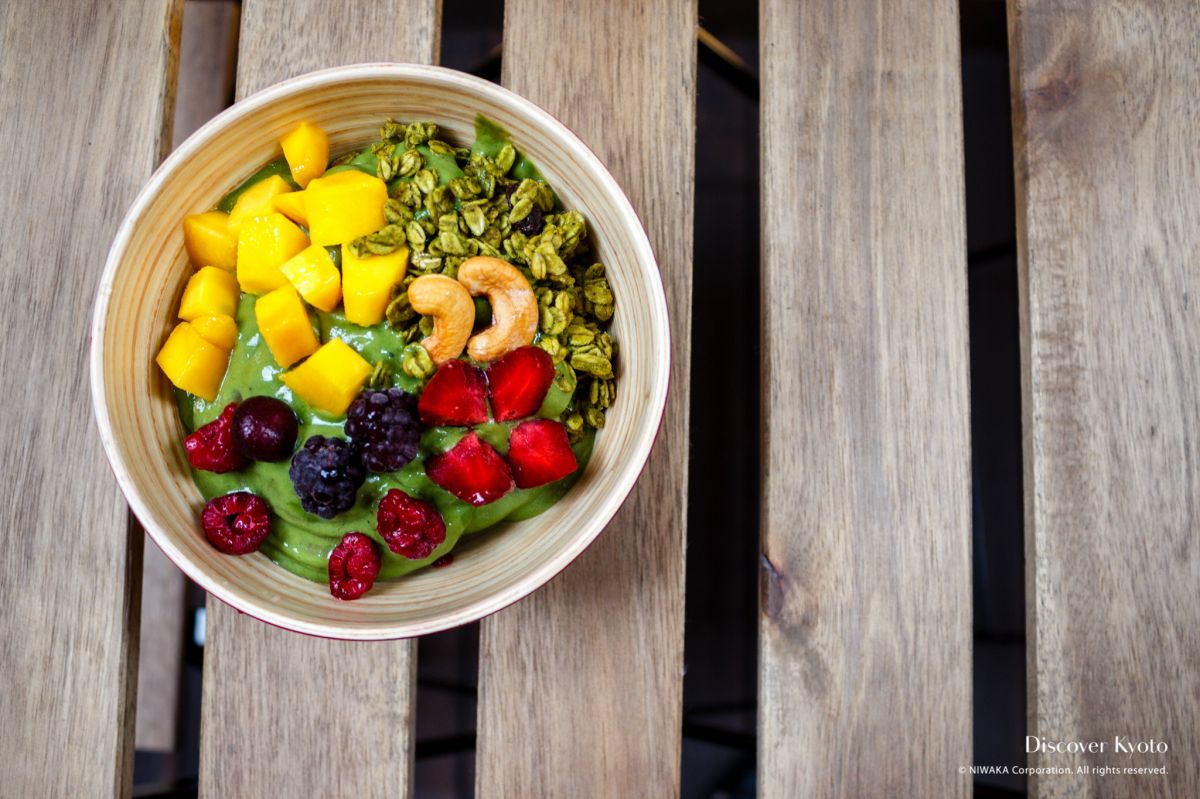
(589,528)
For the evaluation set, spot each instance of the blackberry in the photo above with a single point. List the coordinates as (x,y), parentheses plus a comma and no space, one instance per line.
(327,473)
(385,427)
(533,222)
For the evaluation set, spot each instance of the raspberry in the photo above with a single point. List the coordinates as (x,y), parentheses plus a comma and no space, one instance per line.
(211,447)
(385,428)
(411,527)
(326,474)
(353,566)
(264,429)
(443,561)
(236,523)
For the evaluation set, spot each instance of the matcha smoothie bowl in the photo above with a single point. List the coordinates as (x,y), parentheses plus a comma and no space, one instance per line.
(389,346)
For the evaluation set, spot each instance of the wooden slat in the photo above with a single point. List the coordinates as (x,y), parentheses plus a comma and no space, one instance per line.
(285,714)
(84,117)
(580,684)
(1108,172)
(206,58)
(865,670)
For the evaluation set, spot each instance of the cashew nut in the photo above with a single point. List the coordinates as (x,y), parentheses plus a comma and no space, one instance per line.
(514,306)
(453,312)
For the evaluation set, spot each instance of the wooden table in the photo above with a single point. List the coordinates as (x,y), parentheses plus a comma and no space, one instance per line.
(865,633)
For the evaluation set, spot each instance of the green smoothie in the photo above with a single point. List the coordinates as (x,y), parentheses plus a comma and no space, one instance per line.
(300,541)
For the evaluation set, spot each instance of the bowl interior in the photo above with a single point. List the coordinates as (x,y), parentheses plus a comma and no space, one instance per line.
(144,277)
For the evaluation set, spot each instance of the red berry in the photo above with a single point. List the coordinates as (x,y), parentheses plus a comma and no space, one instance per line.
(443,561)
(353,566)
(264,429)
(236,523)
(456,395)
(539,453)
(471,471)
(211,447)
(519,381)
(411,527)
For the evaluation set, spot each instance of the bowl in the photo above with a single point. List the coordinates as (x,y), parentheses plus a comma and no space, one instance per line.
(144,278)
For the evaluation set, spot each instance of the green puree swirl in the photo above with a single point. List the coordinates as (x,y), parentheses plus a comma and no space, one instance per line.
(301,542)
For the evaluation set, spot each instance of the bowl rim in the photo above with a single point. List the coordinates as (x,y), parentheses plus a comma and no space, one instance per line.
(588,528)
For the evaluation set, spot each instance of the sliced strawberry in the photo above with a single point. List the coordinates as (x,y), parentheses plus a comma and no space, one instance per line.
(456,395)
(539,453)
(471,471)
(519,381)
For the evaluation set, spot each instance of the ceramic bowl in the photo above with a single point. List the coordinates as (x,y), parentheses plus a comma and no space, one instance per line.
(144,277)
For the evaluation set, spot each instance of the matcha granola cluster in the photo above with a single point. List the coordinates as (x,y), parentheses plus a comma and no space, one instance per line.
(449,203)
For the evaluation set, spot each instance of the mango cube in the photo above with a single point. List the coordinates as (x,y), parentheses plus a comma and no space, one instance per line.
(208,240)
(258,200)
(219,330)
(191,363)
(291,205)
(344,206)
(367,284)
(314,275)
(209,291)
(331,377)
(284,324)
(264,244)
(306,149)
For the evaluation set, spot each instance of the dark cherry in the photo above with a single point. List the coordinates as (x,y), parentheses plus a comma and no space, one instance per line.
(264,429)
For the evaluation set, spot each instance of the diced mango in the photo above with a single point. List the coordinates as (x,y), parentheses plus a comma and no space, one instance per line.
(306,149)
(314,275)
(209,241)
(219,330)
(284,324)
(331,377)
(291,205)
(191,363)
(344,206)
(367,284)
(264,244)
(210,290)
(258,200)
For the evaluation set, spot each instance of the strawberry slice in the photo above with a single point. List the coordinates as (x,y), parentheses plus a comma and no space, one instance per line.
(471,471)
(518,383)
(456,395)
(539,453)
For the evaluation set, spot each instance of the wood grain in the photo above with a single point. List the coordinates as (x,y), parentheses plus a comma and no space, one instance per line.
(1107,140)
(82,139)
(865,670)
(286,714)
(580,683)
(207,47)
